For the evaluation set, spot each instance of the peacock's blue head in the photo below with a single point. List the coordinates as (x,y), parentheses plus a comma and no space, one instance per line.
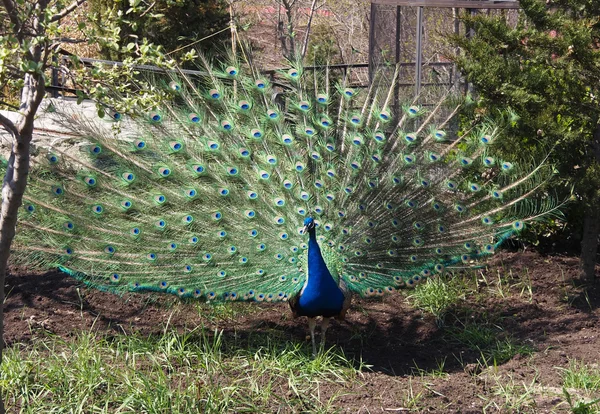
(309,225)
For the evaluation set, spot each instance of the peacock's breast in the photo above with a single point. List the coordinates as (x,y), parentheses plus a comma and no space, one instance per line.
(321,300)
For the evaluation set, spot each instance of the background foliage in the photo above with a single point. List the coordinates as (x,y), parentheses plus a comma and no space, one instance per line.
(546,70)
(168,23)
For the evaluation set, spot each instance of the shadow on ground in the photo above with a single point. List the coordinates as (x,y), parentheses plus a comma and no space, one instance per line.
(386,334)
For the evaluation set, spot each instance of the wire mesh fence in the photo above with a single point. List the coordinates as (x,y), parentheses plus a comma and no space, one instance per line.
(411,34)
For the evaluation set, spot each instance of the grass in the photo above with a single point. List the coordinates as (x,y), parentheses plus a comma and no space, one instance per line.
(511,396)
(438,295)
(223,312)
(441,296)
(201,370)
(437,372)
(490,341)
(447,295)
(581,376)
(581,407)
(411,400)
(175,372)
(502,283)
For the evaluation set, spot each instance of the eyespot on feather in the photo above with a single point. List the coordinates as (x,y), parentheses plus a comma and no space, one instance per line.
(155,117)
(90,181)
(385,115)
(261,84)
(439,135)
(322,98)
(293,73)
(164,171)
(214,94)
(126,204)
(304,106)
(232,71)
(128,177)
(413,110)
(213,145)
(244,105)
(139,144)
(226,125)
(175,146)
(94,150)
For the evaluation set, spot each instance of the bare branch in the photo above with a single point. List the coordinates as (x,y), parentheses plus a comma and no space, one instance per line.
(67,10)
(12,14)
(9,125)
(4,103)
(340,48)
(287,35)
(148,9)
(14,71)
(67,40)
(307,34)
(46,53)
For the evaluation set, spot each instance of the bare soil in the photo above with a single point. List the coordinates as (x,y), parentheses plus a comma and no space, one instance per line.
(558,322)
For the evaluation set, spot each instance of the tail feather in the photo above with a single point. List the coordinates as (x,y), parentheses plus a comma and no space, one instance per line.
(206,196)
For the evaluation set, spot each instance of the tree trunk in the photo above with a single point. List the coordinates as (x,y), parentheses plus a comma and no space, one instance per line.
(286,35)
(591,222)
(15,182)
(589,242)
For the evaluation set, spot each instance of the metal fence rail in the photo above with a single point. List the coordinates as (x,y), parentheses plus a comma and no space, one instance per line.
(59,85)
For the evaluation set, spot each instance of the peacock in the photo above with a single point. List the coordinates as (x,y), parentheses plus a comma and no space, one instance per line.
(300,187)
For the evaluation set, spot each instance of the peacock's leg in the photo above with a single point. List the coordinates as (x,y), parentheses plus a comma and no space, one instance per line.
(324,326)
(312,324)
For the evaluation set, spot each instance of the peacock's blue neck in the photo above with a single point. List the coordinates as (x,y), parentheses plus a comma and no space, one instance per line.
(321,294)
(317,269)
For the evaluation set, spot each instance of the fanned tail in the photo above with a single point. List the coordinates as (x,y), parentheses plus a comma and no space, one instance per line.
(205,196)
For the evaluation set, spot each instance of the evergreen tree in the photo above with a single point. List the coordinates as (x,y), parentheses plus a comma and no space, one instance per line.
(547,70)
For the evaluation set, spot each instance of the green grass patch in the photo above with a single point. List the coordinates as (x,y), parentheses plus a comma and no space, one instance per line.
(581,376)
(581,406)
(494,345)
(578,377)
(511,396)
(439,294)
(194,371)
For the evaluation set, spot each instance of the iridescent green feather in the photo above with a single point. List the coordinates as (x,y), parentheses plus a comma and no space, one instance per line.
(205,197)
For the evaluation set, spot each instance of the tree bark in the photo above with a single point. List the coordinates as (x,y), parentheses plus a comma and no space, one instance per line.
(308,26)
(15,181)
(589,242)
(287,34)
(591,222)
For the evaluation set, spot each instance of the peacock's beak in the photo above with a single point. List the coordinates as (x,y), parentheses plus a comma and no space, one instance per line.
(304,229)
